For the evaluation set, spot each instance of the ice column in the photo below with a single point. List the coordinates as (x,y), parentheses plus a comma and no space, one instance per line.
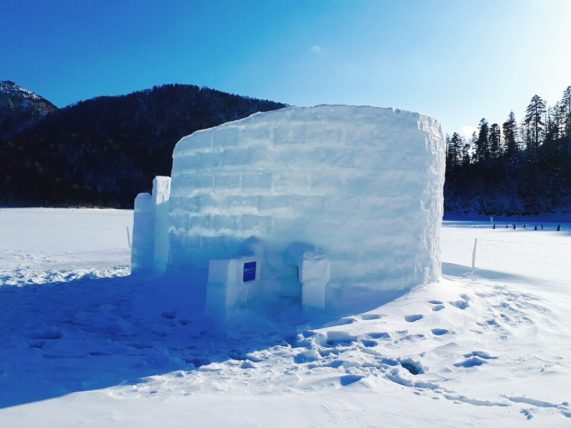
(143,234)
(150,229)
(161,195)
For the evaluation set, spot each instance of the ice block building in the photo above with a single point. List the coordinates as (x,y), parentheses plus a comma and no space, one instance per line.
(308,206)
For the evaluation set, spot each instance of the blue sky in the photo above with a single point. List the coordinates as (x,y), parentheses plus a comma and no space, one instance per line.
(455,60)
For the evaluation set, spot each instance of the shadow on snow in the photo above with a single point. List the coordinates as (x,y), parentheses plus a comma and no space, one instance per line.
(93,333)
(456,270)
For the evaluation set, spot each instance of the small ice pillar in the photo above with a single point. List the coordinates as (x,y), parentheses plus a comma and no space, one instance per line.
(314,274)
(150,250)
(161,195)
(230,285)
(142,251)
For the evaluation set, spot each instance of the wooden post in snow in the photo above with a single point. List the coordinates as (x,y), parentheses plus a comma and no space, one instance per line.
(128,237)
(474,253)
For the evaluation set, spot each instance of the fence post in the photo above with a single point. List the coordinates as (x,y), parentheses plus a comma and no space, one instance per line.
(474,253)
(128,237)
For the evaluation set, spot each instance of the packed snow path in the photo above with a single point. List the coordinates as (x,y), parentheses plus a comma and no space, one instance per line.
(84,344)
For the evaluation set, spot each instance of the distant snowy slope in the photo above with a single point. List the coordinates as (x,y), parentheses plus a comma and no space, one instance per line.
(20,108)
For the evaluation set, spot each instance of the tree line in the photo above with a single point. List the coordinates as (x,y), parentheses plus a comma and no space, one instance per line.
(513,168)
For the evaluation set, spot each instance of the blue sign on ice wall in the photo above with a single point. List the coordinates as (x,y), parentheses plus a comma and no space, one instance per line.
(249,272)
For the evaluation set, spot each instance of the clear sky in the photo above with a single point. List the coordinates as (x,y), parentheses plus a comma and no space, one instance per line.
(455,60)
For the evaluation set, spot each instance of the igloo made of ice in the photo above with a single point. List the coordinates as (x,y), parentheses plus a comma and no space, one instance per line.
(360,187)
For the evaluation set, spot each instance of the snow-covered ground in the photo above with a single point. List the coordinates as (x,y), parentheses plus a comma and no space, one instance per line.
(83,344)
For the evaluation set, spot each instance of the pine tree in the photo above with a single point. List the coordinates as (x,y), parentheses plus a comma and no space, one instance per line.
(534,122)
(509,128)
(454,154)
(565,112)
(482,142)
(466,156)
(495,141)
(554,124)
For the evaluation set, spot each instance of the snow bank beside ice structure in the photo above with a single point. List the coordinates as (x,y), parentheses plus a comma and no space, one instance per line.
(328,201)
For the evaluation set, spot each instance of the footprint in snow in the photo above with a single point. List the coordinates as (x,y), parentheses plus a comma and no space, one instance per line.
(480,354)
(439,331)
(528,413)
(349,379)
(411,337)
(335,364)
(470,362)
(437,308)
(339,338)
(247,365)
(369,317)
(413,318)
(435,302)
(306,357)
(379,335)
(413,367)
(48,334)
(460,304)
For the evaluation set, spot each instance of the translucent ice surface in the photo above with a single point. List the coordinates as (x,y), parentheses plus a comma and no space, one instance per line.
(362,184)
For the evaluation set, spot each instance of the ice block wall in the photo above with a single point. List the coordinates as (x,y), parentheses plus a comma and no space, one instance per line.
(363,184)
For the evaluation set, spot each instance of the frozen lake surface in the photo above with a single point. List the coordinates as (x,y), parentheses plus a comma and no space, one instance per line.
(83,344)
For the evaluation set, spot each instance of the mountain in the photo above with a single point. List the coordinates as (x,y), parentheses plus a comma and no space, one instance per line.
(103,151)
(20,108)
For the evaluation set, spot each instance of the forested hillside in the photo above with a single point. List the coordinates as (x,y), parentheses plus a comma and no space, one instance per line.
(513,168)
(104,151)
